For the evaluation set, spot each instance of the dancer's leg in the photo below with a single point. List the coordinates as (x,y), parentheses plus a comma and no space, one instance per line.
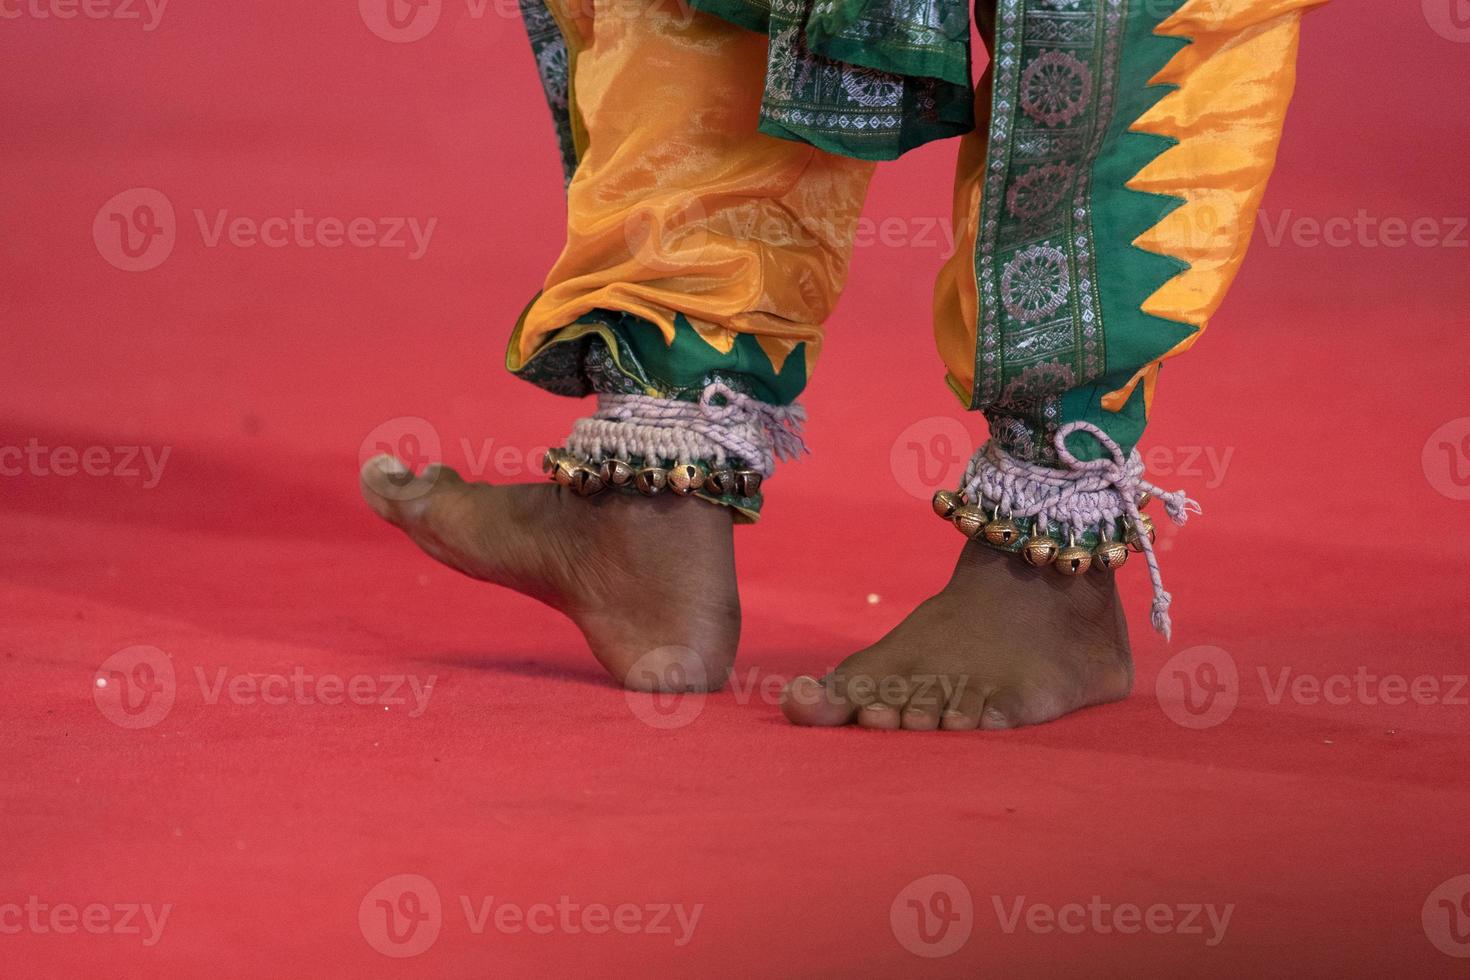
(1128,148)
(702,258)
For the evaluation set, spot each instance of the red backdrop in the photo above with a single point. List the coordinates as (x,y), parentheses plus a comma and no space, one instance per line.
(180,444)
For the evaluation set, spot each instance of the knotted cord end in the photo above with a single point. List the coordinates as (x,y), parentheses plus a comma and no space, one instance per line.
(1079,497)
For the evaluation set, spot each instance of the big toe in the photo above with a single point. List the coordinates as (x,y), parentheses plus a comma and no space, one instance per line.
(394,492)
(808,701)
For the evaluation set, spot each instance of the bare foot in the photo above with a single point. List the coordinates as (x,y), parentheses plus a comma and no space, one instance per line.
(1003,645)
(649,581)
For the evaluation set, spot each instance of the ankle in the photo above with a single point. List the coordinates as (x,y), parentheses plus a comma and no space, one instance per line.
(1011,588)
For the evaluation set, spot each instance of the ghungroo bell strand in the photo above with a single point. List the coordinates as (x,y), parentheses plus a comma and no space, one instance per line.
(1087,515)
(725,445)
(1031,539)
(588,477)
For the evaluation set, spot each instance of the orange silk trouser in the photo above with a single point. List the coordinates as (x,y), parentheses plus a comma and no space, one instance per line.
(1102,205)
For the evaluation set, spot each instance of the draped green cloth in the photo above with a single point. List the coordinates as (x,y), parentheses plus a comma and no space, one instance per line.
(870,79)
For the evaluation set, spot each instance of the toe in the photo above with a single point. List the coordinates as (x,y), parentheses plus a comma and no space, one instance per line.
(393,491)
(926,702)
(883,710)
(441,475)
(808,701)
(962,713)
(1003,709)
(881,716)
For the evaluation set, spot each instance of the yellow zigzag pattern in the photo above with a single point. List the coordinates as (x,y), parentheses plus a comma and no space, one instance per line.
(1235,82)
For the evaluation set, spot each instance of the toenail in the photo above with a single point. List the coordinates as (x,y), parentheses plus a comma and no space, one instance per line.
(875,706)
(391,464)
(802,690)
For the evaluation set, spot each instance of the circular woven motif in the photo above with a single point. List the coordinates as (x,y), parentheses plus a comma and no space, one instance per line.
(1038,191)
(1055,88)
(1034,284)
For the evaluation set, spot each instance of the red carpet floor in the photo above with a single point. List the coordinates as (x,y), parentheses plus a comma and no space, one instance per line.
(1316,795)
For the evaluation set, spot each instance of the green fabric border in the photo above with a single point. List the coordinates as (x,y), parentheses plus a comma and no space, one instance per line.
(938,95)
(618,352)
(910,62)
(1126,274)
(953,120)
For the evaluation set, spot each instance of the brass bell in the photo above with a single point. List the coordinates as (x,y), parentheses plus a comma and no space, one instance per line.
(1073,560)
(548,461)
(1144,499)
(720,483)
(946,502)
(1135,543)
(747,483)
(564,468)
(616,473)
(651,480)
(586,481)
(1040,550)
(969,519)
(1110,554)
(686,478)
(1002,532)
